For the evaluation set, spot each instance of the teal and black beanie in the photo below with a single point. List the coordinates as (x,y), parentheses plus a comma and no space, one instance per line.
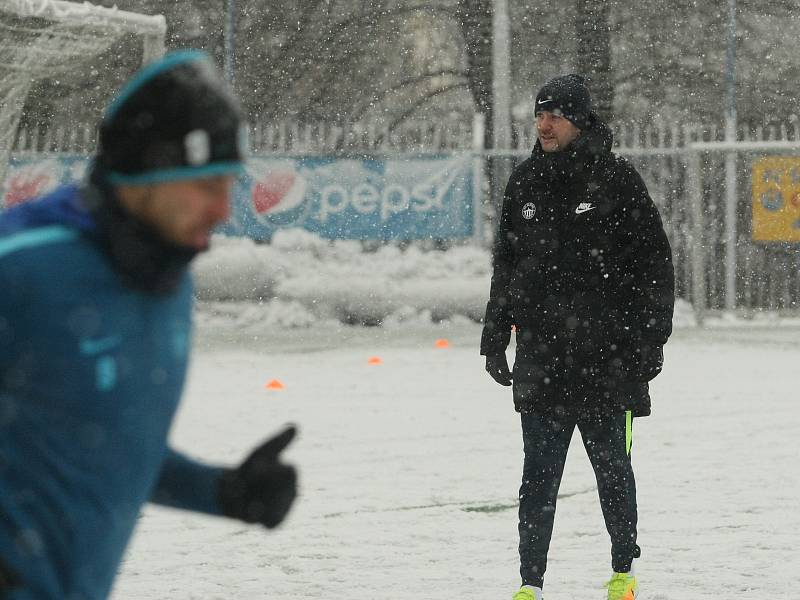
(174,120)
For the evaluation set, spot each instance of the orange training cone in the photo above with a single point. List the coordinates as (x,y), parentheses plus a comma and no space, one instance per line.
(442,343)
(375,360)
(274,384)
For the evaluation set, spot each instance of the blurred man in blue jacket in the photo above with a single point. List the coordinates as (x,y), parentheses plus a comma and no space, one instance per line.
(95,318)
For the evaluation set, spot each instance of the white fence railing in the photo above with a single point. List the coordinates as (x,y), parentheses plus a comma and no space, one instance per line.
(718,264)
(455,133)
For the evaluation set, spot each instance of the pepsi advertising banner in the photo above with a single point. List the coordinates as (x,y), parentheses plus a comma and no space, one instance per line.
(358,198)
(333,197)
(30,178)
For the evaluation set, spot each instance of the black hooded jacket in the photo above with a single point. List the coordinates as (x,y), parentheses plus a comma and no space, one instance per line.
(583,270)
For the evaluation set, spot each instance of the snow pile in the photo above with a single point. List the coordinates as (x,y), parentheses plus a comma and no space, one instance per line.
(242,315)
(300,280)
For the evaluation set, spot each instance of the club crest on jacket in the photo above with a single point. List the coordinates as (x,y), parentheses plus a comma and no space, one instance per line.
(529,210)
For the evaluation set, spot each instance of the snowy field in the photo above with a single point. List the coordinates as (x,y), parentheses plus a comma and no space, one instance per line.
(409,469)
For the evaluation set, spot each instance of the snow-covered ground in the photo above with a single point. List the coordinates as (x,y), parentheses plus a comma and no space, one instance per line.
(409,469)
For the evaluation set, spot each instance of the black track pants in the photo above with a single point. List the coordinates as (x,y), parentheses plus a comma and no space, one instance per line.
(607,442)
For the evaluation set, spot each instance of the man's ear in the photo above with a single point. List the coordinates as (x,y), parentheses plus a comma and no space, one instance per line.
(134,198)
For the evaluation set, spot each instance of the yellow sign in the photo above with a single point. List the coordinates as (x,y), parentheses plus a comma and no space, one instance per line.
(776,199)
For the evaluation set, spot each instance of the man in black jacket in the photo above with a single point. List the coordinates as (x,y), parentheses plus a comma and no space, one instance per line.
(583,272)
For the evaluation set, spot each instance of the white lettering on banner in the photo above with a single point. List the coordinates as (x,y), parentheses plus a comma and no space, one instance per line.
(366,199)
(326,206)
(428,196)
(389,206)
(425,193)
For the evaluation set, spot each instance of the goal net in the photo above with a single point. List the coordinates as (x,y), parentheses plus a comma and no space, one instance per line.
(42,39)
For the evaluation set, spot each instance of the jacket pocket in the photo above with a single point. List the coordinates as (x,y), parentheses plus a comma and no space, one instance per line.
(534,386)
(526,289)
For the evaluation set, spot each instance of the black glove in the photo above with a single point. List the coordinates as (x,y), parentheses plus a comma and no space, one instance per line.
(651,360)
(9,580)
(497,367)
(261,489)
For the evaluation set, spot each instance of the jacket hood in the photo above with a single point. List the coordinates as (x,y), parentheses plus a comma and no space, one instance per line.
(60,207)
(593,143)
(590,148)
(136,251)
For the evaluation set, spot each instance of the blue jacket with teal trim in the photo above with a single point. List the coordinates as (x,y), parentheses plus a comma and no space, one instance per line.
(91,373)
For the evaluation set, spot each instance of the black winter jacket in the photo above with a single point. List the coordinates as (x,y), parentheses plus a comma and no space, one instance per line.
(583,270)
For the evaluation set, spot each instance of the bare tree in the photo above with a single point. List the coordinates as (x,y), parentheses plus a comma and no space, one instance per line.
(475,20)
(383,60)
(391,60)
(593,36)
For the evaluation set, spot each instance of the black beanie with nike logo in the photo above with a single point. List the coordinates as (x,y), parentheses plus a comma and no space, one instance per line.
(569,95)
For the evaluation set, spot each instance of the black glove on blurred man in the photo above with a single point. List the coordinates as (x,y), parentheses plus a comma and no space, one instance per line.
(497,367)
(261,489)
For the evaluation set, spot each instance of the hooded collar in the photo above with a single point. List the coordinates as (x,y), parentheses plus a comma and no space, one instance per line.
(142,257)
(591,148)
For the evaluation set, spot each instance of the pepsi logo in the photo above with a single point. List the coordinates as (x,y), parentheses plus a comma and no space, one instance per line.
(278,191)
(28,183)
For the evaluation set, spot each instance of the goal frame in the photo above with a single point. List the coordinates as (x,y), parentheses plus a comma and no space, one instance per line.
(151,28)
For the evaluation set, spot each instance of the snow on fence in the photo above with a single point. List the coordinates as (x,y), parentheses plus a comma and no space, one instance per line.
(718,263)
(283,137)
(416,135)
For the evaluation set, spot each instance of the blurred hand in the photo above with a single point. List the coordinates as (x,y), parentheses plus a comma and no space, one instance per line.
(261,489)
(497,367)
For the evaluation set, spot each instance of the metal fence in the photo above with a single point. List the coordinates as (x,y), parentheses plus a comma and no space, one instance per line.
(701,184)
(283,137)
